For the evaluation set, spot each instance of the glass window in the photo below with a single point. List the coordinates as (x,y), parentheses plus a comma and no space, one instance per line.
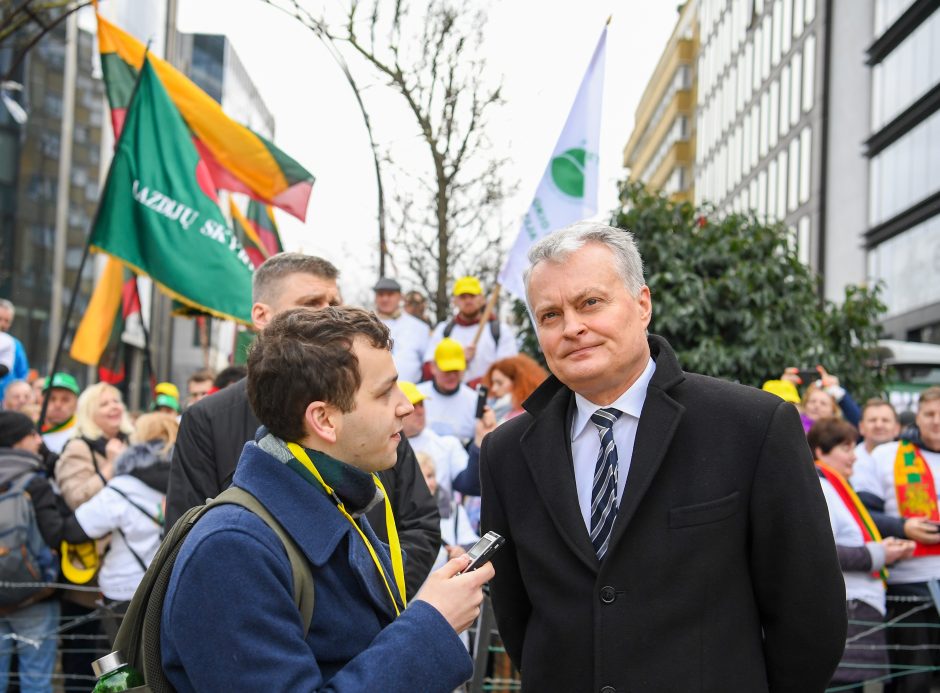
(809,69)
(810,11)
(746,144)
(793,180)
(748,70)
(803,238)
(764,120)
(798,18)
(784,100)
(874,185)
(806,163)
(762,194)
(757,54)
(787,28)
(755,133)
(767,46)
(772,190)
(774,126)
(903,262)
(782,183)
(796,87)
(777,27)
(752,194)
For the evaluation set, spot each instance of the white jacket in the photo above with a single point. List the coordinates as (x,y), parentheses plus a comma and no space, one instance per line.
(108,511)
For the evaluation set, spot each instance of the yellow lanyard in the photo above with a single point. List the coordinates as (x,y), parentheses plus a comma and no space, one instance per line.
(398,567)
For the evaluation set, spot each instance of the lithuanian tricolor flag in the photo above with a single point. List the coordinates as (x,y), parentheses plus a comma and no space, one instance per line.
(239,159)
(257,231)
(97,341)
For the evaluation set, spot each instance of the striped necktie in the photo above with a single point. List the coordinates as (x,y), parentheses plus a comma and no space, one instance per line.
(604,489)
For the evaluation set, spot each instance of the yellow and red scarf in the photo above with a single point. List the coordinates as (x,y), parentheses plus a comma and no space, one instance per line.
(854,504)
(916,491)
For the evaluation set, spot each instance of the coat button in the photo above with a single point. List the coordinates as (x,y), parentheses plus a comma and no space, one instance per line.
(608,689)
(608,595)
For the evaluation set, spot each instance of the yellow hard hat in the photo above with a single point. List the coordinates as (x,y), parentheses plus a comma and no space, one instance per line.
(80,562)
(412,392)
(449,355)
(784,389)
(468,285)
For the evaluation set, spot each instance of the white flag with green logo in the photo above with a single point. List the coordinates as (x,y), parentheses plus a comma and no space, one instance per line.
(568,191)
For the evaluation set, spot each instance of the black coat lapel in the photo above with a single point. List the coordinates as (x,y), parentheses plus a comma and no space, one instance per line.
(546,447)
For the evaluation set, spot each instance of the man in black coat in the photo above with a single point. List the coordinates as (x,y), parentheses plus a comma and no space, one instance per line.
(214,430)
(666,531)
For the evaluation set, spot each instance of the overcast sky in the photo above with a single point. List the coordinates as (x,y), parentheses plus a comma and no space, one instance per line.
(540,53)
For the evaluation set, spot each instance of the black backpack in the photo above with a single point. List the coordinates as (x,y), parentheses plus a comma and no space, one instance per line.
(139,636)
(24,557)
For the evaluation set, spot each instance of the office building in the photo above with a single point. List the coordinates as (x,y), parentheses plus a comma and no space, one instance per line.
(661,149)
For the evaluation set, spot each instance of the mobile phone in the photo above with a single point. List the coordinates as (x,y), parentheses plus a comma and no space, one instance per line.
(482,394)
(481,552)
(808,375)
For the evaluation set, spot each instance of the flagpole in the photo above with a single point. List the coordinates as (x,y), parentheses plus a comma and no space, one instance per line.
(64,333)
(487,311)
(143,325)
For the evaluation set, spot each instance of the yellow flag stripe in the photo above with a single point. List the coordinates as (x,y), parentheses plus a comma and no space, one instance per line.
(94,330)
(233,145)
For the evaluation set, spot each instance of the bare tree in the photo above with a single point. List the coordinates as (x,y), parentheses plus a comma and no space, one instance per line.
(446,215)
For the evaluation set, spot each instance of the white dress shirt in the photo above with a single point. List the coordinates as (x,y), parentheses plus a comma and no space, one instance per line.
(586,443)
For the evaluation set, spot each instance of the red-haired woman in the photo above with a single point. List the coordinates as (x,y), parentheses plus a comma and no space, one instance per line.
(510,382)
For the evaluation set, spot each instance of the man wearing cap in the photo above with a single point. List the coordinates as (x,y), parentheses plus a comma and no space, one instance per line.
(409,334)
(165,404)
(456,468)
(451,405)
(497,341)
(62,390)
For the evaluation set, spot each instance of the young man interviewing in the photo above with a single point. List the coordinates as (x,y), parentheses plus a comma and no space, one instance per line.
(324,385)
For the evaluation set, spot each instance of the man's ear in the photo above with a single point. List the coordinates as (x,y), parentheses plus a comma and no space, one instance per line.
(322,421)
(261,315)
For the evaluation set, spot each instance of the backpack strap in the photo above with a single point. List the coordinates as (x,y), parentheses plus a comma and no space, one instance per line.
(299,566)
(156,521)
(139,635)
(494,330)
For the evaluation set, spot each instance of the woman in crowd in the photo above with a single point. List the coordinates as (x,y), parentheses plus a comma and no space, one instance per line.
(130,509)
(510,382)
(863,554)
(101,429)
(824,398)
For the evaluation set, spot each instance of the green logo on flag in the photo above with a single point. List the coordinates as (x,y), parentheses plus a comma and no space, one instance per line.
(568,172)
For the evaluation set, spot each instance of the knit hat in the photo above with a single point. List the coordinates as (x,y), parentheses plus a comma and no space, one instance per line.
(14,426)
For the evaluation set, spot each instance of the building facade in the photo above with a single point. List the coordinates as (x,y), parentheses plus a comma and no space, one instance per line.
(903,150)
(661,149)
(36,257)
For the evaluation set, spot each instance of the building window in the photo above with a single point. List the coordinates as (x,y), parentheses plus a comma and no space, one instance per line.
(887,13)
(782,174)
(762,194)
(755,84)
(796,87)
(784,100)
(909,71)
(905,172)
(809,76)
(777,30)
(806,161)
(793,180)
(904,264)
(803,238)
(787,29)
(798,18)
(766,53)
(772,190)
(774,126)
(810,12)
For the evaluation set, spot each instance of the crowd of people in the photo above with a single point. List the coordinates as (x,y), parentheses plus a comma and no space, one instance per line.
(105,483)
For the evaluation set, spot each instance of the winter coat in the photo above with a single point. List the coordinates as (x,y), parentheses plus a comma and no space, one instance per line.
(82,469)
